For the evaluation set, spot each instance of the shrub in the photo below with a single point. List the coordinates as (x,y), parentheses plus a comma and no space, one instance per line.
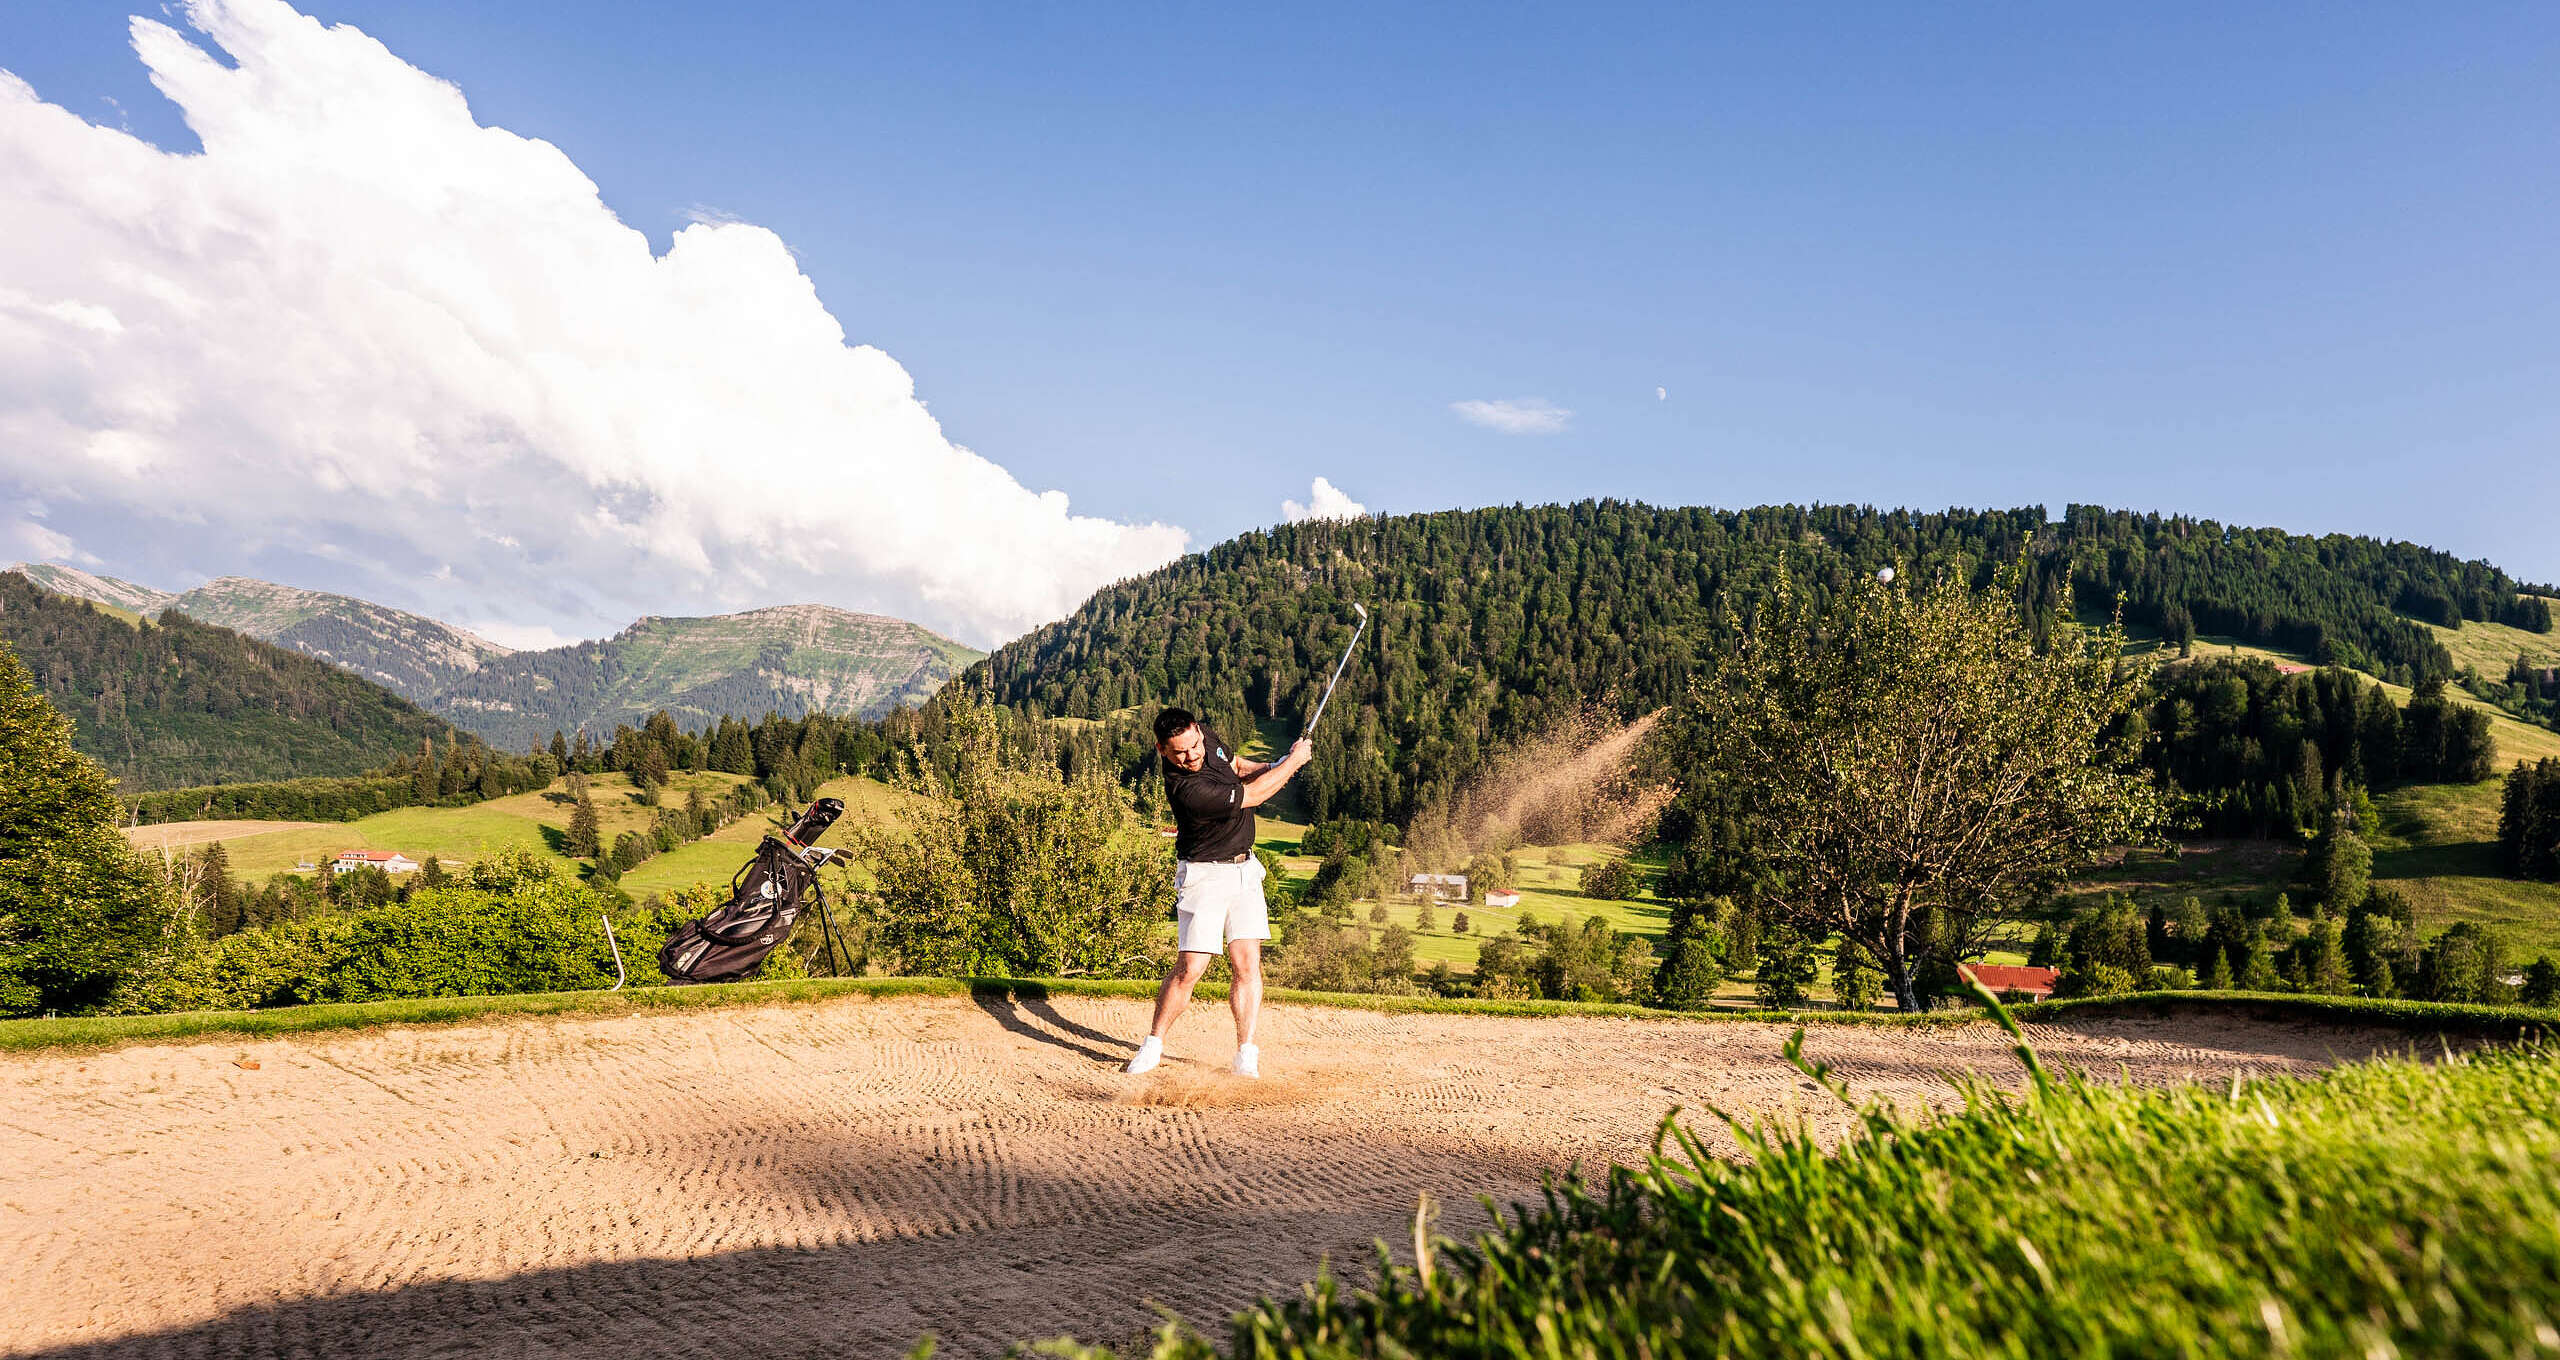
(1318,955)
(1690,973)
(1855,980)
(2166,978)
(1786,969)
(507,925)
(1609,880)
(1009,867)
(1459,924)
(2102,979)
(2541,983)
(2465,963)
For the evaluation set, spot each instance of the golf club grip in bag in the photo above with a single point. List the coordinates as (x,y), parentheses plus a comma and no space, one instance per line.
(764,903)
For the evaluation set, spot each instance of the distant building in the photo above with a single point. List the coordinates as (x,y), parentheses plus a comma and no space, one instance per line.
(388,861)
(2035,983)
(1501,897)
(1452,886)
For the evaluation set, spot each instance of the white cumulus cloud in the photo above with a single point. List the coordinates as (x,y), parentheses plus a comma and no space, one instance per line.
(1324,501)
(360,330)
(1517,415)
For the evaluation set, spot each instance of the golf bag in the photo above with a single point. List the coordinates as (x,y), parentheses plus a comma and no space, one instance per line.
(764,902)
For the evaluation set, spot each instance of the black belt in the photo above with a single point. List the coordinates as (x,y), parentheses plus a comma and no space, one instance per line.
(1239,859)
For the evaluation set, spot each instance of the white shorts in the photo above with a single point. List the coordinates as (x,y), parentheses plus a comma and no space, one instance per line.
(1217,903)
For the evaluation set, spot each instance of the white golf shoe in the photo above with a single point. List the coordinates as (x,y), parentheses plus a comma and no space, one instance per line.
(1248,1061)
(1149,1054)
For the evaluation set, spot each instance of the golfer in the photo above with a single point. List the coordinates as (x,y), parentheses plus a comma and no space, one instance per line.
(1217,881)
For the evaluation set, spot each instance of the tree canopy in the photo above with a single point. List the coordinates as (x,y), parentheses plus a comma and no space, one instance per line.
(1912,767)
(78,910)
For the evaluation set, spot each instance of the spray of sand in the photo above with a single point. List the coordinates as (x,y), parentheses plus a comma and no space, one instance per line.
(1576,781)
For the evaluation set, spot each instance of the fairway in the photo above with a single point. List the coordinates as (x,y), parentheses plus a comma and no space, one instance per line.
(841,1177)
(536,821)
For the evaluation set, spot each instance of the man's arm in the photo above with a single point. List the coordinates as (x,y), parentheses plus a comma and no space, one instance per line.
(1247,769)
(1267,780)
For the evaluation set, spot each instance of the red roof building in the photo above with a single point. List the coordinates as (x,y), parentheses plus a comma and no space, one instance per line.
(2002,979)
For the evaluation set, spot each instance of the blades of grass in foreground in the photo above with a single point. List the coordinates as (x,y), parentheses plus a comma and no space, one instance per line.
(2387,1208)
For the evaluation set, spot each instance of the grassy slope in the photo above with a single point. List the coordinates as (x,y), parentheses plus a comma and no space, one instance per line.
(537,821)
(2490,648)
(1549,891)
(2438,842)
(540,822)
(715,858)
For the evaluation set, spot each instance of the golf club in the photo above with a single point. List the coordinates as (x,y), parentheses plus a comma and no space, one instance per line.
(1337,671)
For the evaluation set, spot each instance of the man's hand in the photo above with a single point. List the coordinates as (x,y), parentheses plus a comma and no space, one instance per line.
(1260,786)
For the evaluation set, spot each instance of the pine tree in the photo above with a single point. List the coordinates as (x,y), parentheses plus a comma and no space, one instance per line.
(2217,973)
(2324,963)
(560,748)
(1458,924)
(217,892)
(1424,919)
(584,835)
(2341,866)
(2258,963)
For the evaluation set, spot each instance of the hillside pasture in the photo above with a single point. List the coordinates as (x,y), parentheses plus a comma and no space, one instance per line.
(2490,648)
(536,821)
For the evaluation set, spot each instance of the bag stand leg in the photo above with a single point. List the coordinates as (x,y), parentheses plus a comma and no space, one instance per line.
(827,934)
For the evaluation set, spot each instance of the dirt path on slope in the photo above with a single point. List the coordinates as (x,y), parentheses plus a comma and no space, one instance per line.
(840,1178)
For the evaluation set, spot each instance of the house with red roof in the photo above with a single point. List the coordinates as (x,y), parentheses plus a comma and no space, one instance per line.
(388,861)
(2034,983)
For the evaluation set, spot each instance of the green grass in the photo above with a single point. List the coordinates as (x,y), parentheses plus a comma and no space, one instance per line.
(2384,1209)
(539,821)
(2490,648)
(99,1031)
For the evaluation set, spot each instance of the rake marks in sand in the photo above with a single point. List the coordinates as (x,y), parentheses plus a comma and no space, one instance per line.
(845,1177)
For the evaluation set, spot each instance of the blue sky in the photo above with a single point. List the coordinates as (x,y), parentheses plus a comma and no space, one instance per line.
(2291,266)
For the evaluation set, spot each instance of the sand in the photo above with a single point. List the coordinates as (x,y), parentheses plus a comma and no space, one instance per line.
(174,835)
(841,1178)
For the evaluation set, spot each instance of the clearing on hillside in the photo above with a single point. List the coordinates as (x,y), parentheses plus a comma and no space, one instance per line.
(840,1178)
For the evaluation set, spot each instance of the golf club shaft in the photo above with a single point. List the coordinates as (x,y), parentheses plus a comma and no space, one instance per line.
(1337,672)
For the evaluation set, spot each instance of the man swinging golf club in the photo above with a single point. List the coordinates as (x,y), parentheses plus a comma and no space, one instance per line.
(1217,881)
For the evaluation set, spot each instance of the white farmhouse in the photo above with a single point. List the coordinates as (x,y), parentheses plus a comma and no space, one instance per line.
(388,861)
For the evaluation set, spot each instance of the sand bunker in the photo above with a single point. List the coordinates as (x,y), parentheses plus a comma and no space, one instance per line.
(841,1178)
(176,835)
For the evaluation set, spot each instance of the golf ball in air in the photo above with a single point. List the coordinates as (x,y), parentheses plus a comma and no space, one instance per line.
(1885,574)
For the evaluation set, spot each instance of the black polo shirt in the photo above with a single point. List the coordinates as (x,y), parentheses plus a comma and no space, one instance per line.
(1210,819)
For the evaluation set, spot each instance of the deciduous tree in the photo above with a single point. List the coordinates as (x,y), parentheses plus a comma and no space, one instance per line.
(1913,766)
(79,911)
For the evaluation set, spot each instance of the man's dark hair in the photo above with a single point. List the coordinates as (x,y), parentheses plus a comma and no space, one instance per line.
(1171,723)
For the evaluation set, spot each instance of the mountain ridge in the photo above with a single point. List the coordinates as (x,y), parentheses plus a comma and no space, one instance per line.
(179,701)
(792,658)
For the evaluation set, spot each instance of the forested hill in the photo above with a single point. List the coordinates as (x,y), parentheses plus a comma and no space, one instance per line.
(178,702)
(1488,622)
